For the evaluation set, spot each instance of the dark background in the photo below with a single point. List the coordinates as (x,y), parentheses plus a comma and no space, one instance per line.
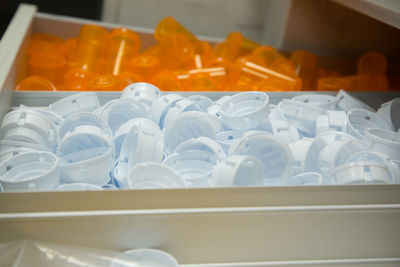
(90,9)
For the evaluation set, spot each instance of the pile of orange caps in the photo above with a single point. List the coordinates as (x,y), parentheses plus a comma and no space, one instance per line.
(102,61)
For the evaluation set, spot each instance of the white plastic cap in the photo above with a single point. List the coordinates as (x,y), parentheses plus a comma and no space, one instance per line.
(364,168)
(145,258)
(153,175)
(78,187)
(177,108)
(10,145)
(239,170)
(201,100)
(194,166)
(31,171)
(29,126)
(82,119)
(390,111)
(86,155)
(338,139)
(160,107)
(305,178)
(188,125)
(122,111)
(347,102)
(358,120)
(333,120)
(246,110)
(301,115)
(140,145)
(85,101)
(284,131)
(319,100)
(274,154)
(144,93)
(202,144)
(9,153)
(215,108)
(226,138)
(299,151)
(384,141)
(123,130)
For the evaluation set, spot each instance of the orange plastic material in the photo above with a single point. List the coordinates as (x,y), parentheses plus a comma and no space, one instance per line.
(106,83)
(203,54)
(168,27)
(360,82)
(42,43)
(235,45)
(284,66)
(250,72)
(372,62)
(305,65)
(166,80)
(121,45)
(50,66)
(177,52)
(145,65)
(75,85)
(68,48)
(206,78)
(267,53)
(89,48)
(35,83)
(129,77)
(200,81)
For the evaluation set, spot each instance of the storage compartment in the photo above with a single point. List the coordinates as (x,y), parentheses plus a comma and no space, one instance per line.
(255,226)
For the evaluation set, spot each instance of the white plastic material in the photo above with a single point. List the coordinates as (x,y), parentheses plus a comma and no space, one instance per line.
(177,108)
(202,144)
(86,155)
(246,110)
(299,151)
(122,111)
(319,100)
(187,126)
(10,144)
(82,119)
(142,92)
(390,111)
(364,168)
(140,145)
(201,100)
(284,131)
(78,187)
(333,120)
(274,155)
(329,150)
(56,119)
(305,178)
(160,107)
(215,108)
(239,170)
(31,171)
(6,154)
(358,120)
(347,102)
(194,166)
(384,141)
(152,175)
(29,126)
(301,115)
(123,130)
(145,258)
(226,138)
(81,102)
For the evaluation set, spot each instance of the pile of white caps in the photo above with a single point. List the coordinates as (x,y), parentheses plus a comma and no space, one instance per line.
(147,139)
